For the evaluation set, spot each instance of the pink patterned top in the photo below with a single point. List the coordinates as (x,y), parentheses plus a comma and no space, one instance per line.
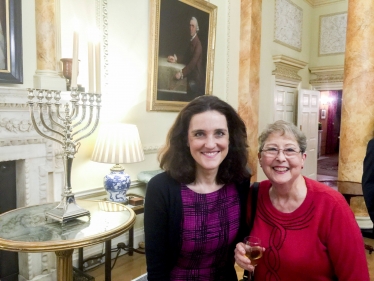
(209,226)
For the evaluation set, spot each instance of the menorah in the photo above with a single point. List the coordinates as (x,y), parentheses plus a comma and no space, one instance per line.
(67,133)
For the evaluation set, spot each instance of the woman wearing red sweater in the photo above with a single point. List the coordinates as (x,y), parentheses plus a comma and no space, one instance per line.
(307,228)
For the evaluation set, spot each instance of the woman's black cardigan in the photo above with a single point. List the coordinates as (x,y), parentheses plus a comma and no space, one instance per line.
(162,221)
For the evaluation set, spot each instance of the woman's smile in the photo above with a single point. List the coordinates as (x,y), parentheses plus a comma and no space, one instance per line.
(208,139)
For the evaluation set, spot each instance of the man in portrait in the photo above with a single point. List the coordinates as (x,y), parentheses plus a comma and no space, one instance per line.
(193,60)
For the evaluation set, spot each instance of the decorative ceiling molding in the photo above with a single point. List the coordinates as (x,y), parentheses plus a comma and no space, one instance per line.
(327,77)
(315,3)
(286,71)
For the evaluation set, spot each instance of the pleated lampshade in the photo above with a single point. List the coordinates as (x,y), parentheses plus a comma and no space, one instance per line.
(115,144)
(118,143)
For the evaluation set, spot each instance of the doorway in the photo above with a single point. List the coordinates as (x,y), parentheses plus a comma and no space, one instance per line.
(329,129)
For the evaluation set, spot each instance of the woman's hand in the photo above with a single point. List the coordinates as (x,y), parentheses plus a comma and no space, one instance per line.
(241,259)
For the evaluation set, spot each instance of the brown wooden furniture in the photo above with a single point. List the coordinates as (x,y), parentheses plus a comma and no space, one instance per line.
(108,244)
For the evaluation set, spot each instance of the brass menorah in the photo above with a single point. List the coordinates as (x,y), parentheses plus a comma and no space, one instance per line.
(67,129)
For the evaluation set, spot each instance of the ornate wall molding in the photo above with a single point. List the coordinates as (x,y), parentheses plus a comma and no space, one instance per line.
(39,179)
(332,34)
(102,24)
(315,3)
(327,77)
(17,142)
(153,148)
(288,24)
(286,71)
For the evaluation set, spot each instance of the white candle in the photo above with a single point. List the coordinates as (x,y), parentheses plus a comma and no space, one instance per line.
(91,67)
(98,67)
(74,71)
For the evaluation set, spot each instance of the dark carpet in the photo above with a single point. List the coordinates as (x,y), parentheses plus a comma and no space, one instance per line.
(328,166)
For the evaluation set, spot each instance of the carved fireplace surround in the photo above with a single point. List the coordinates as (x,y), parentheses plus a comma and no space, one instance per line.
(39,171)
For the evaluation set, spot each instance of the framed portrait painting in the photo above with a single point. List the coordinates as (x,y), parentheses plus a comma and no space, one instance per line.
(11,66)
(181,52)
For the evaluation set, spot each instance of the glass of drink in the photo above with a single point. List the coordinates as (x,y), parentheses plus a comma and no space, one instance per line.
(253,250)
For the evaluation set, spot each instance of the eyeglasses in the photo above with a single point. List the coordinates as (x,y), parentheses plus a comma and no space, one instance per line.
(273,152)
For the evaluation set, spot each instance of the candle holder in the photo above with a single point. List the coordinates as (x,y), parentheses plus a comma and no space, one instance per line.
(67,65)
(77,123)
(66,70)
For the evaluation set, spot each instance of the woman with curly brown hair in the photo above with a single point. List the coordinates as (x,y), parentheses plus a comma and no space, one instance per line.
(195,210)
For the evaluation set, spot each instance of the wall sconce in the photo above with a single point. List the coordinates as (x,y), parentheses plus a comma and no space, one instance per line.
(324,100)
(323,113)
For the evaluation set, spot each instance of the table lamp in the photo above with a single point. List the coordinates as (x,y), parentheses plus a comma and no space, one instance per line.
(115,144)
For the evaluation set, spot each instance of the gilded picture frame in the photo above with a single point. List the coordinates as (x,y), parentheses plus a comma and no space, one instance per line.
(181,52)
(11,61)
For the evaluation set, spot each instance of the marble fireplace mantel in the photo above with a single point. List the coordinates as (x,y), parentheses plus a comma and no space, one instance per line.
(39,170)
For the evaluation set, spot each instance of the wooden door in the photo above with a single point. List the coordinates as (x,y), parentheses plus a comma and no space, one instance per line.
(285,104)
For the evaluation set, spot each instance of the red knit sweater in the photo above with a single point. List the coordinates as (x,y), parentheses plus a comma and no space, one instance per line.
(317,241)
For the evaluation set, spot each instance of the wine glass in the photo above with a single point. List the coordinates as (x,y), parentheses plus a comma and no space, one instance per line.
(253,250)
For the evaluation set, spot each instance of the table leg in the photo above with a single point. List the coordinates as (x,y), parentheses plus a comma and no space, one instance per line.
(80,259)
(131,241)
(108,260)
(64,265)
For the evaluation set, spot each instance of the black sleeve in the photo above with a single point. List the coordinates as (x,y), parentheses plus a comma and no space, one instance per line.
(156,230)
(368,179)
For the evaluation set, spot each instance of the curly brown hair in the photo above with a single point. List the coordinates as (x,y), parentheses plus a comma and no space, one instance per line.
(176,159)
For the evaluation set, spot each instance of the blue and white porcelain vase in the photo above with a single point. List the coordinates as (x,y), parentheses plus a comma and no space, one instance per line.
(116,184)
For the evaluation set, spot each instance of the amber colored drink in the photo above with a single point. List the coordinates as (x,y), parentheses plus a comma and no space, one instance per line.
(254,254)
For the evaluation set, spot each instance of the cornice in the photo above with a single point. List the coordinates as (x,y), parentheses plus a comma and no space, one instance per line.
(327,77)
(315,3)
(286,70)
(282,59)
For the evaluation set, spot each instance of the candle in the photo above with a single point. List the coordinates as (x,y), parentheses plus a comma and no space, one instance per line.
(90,67)
(74,71)
(98,67)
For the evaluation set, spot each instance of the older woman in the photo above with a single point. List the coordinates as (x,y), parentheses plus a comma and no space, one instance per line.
(195,211)
(307,228)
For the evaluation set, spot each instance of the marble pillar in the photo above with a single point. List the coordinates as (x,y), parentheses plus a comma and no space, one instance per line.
(249,74)
(45,28)
(47,75)
(357,121)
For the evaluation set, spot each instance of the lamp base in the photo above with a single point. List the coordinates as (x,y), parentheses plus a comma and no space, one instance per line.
(116,184)
(67,210)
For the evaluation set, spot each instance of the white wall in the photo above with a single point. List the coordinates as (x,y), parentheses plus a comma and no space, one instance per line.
(329,60)
(308,53)
(269,48)
(124,99)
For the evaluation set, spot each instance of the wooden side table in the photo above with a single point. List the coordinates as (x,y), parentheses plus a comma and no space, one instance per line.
(108,244)
(27,230)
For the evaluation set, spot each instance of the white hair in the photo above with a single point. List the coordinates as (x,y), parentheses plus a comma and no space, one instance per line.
(196,23)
